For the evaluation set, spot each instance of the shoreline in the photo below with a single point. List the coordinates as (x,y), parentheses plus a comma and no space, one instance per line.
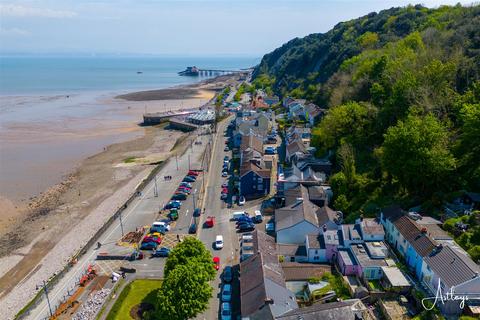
(93,188)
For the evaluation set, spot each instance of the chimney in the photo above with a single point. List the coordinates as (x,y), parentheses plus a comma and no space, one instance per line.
(268,300)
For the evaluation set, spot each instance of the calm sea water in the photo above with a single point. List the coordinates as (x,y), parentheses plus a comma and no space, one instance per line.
(60,75)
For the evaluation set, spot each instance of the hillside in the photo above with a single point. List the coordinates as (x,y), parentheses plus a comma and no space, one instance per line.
(403,96)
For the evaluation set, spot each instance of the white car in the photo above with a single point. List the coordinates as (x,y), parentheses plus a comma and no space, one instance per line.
(241,201)
(161,224)
(219,242)
(224,174)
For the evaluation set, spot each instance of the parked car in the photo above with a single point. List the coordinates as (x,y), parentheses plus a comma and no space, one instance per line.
(270,150)
(225,185)
(219,242)
(258,218)
(246,227)
(227,292)
(193,228)
(179,196)
(173,205)
(192,173)
(228,274)
(244,220)
(270,227)
(225,158)
(241,201)
(162,252)
(244,224)
(210,222)
(216,263)
(184,190)
(238,214)
(186,184)
(147,239)
(224,174)
(161,224)
(173,214)
(226,149)
(225,190)
(148,245)
(188,179)
(226,311)
(197,212)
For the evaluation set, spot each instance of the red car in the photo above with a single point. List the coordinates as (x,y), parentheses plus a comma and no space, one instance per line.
(225,190)
(210,222)
(192,173)
(216,263)
(152,239)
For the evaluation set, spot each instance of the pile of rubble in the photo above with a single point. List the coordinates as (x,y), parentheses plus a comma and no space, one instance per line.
(91,307)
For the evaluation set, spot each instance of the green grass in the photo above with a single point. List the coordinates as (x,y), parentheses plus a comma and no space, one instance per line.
(375,285)
(129,159)
(142,290)
(337,284)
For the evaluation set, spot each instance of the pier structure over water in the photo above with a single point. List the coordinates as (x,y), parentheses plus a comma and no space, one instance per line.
(195,71)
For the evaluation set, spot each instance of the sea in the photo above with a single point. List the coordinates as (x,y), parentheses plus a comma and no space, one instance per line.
(21,75)
(57,110)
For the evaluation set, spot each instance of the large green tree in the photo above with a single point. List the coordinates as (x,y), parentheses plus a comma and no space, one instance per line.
(191,250)
(185,293)
(415,152)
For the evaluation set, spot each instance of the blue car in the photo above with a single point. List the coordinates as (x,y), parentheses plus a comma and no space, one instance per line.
(162,252)
(197,212)
(244,218)
(173,205)
(148,245)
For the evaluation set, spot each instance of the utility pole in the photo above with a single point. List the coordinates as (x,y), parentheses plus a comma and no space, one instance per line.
(48,299)
(121,223)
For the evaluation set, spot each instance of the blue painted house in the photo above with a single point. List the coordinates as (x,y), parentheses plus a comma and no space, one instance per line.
(254,179)
(408,237)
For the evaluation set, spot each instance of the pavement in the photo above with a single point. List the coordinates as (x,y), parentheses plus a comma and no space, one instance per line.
(141,212)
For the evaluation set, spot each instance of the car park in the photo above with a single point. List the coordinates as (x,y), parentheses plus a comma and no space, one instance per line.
(216,263)
(148,245)
(241,201)
(227,292)
(219,242)
(197,212)
(226,311)
(228,274)
(162,252)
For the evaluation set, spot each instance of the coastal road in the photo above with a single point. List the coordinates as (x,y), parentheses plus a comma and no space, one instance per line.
(217,207)
(141,212)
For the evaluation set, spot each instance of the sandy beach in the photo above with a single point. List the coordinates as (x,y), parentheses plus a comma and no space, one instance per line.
(93,181)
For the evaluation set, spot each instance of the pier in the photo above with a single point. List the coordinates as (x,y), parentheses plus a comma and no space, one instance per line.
(194,71)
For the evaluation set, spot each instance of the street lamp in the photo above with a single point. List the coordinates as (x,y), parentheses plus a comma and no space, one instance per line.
(45,289)
(193,198)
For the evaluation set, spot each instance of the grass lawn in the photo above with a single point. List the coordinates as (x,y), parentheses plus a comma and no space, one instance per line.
(136,292)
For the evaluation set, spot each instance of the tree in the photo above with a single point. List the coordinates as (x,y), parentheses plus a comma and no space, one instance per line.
(185,293)
(415,152)
(191,249)
(347,162)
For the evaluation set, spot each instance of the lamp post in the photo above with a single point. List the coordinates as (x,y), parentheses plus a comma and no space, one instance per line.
(193,198)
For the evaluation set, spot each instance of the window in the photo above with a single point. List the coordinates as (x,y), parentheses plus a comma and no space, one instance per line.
(292,259)
(315,258)
(260,187)
(316,251)
(254,187)
(260,179)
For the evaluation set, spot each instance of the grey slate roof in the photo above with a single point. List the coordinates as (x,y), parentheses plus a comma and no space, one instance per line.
(451,266)
(262,282)
(411,231)
(344,310)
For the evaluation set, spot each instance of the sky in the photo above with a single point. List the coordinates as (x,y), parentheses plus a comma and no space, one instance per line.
(173,27)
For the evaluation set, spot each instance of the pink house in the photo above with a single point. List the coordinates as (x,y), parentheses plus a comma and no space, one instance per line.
(347,263)
(332,242)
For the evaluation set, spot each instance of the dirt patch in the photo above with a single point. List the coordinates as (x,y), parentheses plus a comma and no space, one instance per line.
(137,311)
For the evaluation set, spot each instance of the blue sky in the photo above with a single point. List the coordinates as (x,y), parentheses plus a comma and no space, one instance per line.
(173,27)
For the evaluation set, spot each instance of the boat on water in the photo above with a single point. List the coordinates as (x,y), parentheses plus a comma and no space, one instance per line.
(190,71)
(139,72)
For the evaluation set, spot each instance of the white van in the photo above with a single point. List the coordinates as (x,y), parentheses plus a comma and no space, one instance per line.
(219,242)
(258,216)
(238,214)
(161,225)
